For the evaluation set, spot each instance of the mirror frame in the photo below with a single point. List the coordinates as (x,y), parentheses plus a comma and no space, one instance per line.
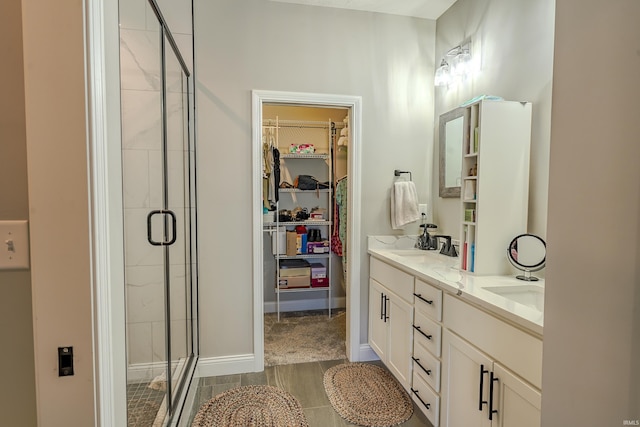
(451,192)
(528,269)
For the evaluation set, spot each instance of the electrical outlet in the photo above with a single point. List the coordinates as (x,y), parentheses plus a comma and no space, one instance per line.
(422,208)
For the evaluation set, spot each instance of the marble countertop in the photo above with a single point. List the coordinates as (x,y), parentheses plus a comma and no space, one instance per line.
(443,272)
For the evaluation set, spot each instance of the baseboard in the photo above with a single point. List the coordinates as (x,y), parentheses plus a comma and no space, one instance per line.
(367,354)
(225,365)
(305,304)
(139,372)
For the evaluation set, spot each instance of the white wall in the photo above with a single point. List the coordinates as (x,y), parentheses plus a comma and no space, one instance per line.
(514,39)
(59,208)
(253,44)
(591,371)
(17,402)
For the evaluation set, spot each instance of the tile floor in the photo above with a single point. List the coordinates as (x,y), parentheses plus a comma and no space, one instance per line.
(303,380)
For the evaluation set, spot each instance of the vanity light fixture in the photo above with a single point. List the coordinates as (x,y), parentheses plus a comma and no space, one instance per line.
(455,66)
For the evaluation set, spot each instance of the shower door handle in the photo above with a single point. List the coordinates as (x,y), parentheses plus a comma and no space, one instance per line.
(173,227)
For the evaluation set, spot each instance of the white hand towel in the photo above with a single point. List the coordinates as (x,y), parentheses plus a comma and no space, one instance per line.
(404,204)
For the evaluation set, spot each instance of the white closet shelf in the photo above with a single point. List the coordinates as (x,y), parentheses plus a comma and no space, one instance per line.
(304,156)
(297,190)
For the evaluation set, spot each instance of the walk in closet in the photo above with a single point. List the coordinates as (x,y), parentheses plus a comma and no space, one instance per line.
(304,167)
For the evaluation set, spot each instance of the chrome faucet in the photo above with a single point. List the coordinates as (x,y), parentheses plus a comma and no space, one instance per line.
(426,241)
(447,248)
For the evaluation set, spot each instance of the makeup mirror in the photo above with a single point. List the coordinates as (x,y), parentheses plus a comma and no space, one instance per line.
(451,140)
(527,252)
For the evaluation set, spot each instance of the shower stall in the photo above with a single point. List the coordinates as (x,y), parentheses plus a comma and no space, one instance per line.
(159,202)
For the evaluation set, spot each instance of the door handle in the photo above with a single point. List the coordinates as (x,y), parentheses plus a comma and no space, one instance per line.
(480,401)
(491,410)
(173,227)
(386,317)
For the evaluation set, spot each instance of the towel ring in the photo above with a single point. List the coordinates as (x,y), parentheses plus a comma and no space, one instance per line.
(397,172)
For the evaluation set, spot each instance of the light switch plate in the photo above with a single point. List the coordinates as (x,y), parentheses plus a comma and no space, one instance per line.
(14,245)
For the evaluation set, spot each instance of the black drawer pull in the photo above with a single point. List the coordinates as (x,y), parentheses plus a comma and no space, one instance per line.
(425,300)
(417,328)
(428,371)
(427,405)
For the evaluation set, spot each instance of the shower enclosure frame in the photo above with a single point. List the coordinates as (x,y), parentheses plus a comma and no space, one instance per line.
(164,218)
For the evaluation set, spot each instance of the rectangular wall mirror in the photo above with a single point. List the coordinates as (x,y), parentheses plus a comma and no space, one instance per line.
(452,135)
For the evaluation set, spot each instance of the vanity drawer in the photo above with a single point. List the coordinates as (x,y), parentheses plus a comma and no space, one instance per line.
(427,333)
(393,279)
(428,299)
(426,399)
(426,366)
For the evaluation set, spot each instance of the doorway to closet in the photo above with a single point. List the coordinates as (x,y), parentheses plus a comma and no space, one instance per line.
(293,122)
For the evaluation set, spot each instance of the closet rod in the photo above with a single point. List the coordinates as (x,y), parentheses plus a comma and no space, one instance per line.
(300,124)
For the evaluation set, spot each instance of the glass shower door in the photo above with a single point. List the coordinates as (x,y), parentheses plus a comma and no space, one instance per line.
(143,192)
(159,202)
(177,157)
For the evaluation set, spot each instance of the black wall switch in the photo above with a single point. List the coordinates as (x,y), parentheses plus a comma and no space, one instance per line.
(65,361)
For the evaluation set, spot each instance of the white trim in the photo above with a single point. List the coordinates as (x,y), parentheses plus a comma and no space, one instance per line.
(227,365)
(367,354)
(354,103)
(305,304)
(103,133)
(139,372)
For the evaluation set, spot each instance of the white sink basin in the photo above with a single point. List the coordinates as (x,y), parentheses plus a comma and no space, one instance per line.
(417,255)
(528,295)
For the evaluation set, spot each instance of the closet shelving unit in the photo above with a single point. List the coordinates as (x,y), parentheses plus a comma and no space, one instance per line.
(321,134)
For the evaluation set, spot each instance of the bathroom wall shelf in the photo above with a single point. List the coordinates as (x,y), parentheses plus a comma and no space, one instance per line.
(495,183)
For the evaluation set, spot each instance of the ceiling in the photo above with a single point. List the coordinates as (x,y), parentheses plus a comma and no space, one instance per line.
(428,9)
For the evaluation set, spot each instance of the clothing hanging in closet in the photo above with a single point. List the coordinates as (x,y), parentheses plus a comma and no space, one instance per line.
(340,217)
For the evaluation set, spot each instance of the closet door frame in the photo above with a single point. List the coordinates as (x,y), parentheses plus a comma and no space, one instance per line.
(354,104)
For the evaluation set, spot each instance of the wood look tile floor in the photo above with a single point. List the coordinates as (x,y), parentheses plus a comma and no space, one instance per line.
(303,380)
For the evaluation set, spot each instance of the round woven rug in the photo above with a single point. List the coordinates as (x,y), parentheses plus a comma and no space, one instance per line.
(367,395)
(253,405)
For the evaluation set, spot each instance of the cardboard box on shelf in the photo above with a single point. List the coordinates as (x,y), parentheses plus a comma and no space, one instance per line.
(292,238)
(320,282)
(294,282)
(294,267)
(318,247)
(318,271)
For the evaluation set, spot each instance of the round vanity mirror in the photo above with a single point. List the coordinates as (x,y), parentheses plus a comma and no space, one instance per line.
(527,252)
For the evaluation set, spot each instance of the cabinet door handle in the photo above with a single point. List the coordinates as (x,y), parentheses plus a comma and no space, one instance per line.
(428,371)
(381,306)
(417,328)
(425,300)
(427,405)
(491,410)
(386,315)
(480,401)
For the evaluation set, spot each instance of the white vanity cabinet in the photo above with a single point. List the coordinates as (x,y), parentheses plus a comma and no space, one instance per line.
(390,318)
(492,371)
(427,346)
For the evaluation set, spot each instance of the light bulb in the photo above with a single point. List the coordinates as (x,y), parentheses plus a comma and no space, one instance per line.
(443,74)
